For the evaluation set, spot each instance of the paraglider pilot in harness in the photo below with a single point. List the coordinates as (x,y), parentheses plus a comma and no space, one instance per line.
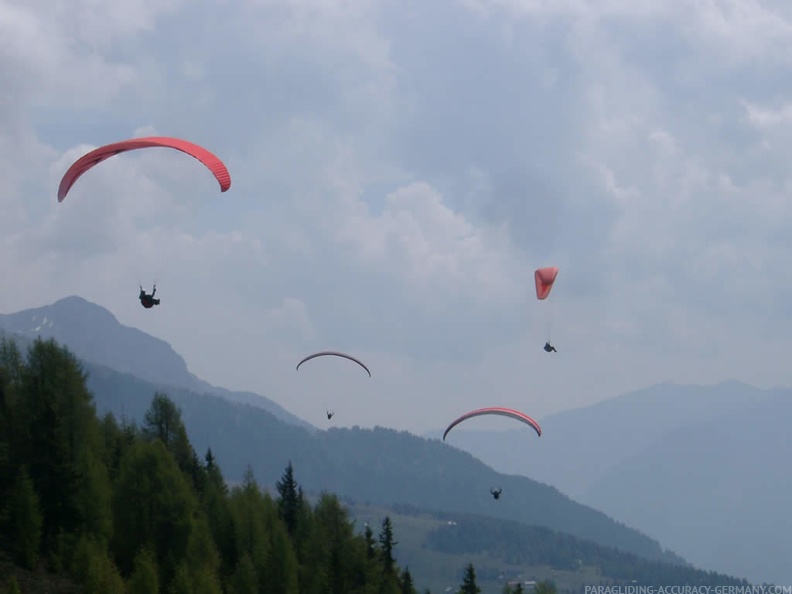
(147,300)
(330,414)
(549,348)
(496,493)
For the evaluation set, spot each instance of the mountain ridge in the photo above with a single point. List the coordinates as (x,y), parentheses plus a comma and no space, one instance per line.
(124,348)
(700,468)
(715,469)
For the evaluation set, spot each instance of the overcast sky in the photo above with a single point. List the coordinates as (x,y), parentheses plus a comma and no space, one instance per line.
(399,170)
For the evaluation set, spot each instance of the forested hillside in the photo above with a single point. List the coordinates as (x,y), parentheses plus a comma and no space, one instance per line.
(92,506)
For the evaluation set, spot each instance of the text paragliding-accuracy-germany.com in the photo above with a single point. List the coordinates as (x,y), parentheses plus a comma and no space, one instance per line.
(635,589)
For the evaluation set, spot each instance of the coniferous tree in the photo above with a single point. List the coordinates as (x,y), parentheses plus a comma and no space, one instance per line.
(337,532)
(165,523)
(251,514)
(11,360)
(214,501)
(469,585)
(281,568)
(289,500)
(387,543)
(244,579)
(407,586)
(213,473)
(181,582)
(368,535)
(163,421)
(201,550)
(8,429)
(145,577)
(93,567)
(26,521)
(57,408)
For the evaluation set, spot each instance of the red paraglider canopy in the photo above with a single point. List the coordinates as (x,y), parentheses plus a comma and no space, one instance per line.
(96,156)
(496,410)
(545,277)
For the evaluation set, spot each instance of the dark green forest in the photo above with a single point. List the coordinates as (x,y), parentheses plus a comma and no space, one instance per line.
(99,506)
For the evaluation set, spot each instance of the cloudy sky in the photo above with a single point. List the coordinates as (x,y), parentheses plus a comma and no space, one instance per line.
(399,170)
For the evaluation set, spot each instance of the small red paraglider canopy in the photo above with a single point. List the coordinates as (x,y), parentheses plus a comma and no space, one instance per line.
(545,277)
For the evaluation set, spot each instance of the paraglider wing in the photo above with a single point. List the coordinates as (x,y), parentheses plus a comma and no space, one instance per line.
(496,410)
(544,278)
(334,354)
(96,156)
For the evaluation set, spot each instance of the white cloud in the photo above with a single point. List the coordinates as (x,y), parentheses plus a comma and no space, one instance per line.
(291,315)
(398,173)
(431,246)
(769,117)
(58,53)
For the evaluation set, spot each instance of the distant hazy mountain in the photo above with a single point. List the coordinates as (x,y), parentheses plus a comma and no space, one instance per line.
(717,492)
(94,334)
(702,468)
(578,446)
